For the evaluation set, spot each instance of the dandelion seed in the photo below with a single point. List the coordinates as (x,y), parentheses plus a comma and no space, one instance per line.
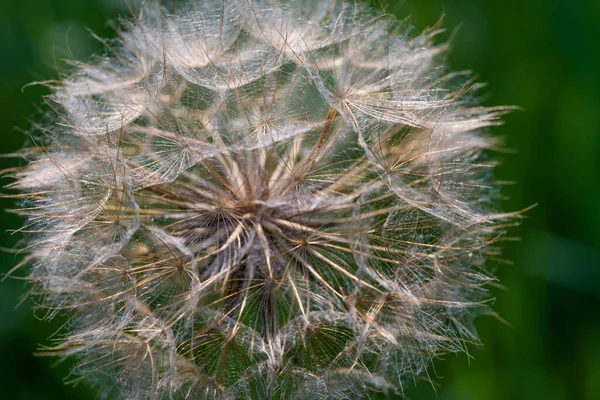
(262,200)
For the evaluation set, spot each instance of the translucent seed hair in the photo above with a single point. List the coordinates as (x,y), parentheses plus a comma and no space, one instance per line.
(261,200)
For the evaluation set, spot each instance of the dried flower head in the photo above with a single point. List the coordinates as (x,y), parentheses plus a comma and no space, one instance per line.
(247,199)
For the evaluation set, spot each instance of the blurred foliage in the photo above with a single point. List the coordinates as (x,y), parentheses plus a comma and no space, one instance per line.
(541,55)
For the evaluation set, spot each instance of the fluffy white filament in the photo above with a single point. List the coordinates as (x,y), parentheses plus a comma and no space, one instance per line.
(243,199)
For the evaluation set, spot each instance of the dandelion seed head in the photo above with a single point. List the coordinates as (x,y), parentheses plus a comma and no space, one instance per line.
(262,200)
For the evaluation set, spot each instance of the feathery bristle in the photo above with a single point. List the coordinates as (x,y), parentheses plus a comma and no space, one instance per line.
(262,200)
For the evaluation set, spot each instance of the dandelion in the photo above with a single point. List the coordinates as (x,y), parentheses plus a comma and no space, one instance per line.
(254,200)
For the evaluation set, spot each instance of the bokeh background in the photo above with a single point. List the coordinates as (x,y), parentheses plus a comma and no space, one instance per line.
(542,55)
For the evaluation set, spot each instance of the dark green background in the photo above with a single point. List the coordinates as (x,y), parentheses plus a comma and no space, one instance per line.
(542,55)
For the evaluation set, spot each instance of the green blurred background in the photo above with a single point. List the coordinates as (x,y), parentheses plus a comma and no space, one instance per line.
(542,55)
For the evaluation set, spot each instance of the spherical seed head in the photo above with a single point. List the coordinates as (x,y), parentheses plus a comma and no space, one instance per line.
(255,200)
